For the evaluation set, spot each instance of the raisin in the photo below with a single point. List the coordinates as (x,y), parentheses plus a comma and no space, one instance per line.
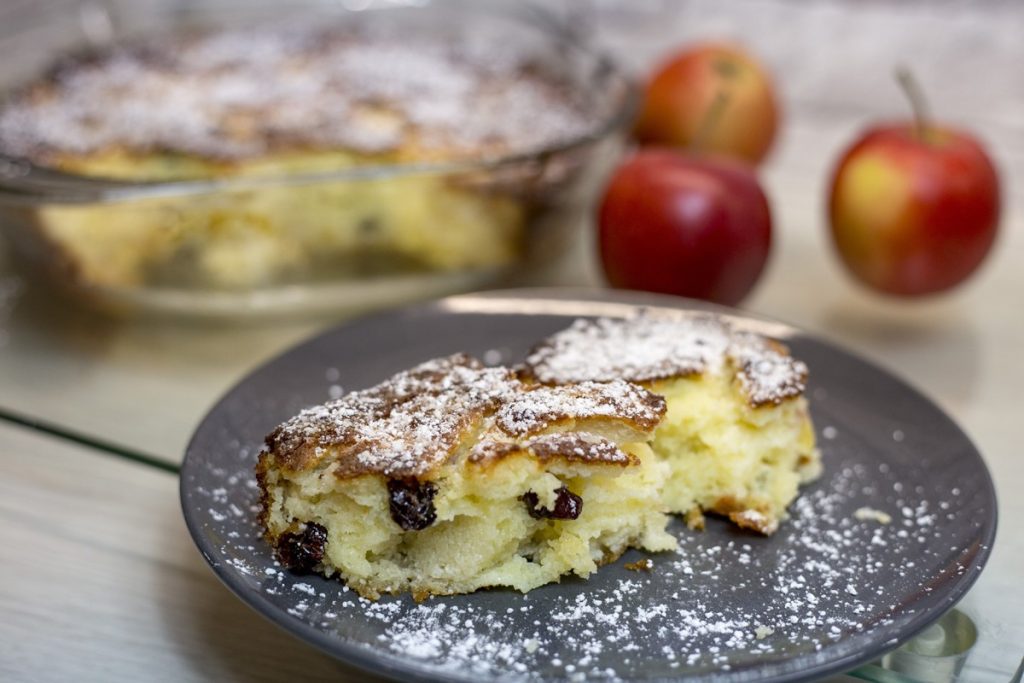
(567,505)
(301,552)
(412,503)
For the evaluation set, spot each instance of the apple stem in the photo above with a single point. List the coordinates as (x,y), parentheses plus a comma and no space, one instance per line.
(918,103)
(710,121)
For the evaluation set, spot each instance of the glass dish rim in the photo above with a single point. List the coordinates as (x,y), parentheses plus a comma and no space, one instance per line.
(23,182)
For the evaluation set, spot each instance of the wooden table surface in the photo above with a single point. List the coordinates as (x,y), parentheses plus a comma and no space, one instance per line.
(99,580)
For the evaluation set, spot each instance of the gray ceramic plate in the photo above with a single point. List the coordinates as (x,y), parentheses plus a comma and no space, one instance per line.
(831,590)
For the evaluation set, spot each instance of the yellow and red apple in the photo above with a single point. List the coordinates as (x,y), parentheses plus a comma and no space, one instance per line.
(914,207)
(711,98)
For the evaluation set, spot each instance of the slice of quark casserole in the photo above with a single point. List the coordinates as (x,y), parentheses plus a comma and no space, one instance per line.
(737,438)
(453,476)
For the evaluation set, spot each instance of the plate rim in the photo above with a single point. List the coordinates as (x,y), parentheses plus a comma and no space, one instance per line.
(395,666)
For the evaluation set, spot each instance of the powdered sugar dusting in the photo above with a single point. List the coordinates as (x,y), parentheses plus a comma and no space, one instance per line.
(414,421)
(578,446)
(537,408)
(767,373)
(725,601)
(643,349)
(639,349)
(402,427)
(239,93)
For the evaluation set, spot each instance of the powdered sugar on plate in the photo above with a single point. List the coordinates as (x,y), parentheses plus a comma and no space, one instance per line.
(725,600)
(826,590)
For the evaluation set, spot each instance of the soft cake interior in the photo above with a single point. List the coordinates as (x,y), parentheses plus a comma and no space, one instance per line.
(484,534)
(725,456)
(736,437)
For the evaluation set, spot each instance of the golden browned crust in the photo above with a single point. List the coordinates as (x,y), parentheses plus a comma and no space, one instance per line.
(638,350)
(262,466)
(644,565)
(539,408)
(415,421)
(580,448)
(647,350)
(403,427)
(743,515)
(765,371)
(570,447)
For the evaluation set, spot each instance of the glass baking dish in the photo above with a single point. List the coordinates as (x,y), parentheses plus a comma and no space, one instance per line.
(309,235)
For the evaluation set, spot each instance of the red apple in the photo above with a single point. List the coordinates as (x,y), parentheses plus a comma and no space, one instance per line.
(677,224)
(681,98)
(914,207)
